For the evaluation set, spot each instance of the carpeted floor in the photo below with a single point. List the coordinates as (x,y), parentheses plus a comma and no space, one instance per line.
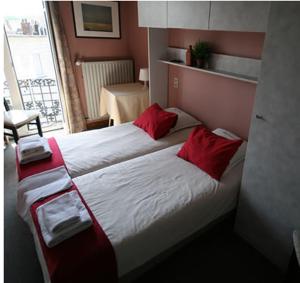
(217,256)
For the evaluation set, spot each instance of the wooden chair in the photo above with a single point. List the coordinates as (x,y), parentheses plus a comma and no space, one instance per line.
(15,119)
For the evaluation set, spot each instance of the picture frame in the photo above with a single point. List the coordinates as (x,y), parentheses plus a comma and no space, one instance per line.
(99,19)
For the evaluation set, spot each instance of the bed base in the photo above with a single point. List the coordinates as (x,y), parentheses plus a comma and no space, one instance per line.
(226,220)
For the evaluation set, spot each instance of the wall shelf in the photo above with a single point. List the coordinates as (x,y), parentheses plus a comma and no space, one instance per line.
(239,77)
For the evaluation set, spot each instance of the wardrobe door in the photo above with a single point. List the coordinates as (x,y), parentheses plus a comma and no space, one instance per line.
(239,15)
(152,14)
(269,203)
(188,14)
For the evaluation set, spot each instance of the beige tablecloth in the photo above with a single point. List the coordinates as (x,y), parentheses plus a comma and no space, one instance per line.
(123,102)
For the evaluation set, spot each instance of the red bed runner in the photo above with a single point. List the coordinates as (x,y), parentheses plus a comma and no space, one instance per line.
(86,257)
(55,160)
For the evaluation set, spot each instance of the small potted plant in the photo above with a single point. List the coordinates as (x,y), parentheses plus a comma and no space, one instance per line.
(201,53)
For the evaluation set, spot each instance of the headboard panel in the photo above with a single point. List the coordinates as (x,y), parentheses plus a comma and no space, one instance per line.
(217,101)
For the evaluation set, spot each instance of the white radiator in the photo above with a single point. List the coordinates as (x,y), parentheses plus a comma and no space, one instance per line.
(102,73)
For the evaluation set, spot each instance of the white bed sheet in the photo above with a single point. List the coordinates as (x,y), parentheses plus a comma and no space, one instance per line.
(148,204)
(92,150)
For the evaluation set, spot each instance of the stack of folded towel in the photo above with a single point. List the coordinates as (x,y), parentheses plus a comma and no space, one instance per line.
(33,148)
(62,218)
(40,186)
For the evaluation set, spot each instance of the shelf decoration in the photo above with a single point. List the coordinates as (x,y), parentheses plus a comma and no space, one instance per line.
(240,68)
(201,53)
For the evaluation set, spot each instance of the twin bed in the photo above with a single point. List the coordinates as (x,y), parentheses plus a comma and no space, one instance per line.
(92,150)
(145,198)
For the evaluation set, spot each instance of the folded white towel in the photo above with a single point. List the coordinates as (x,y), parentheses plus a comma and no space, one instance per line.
(32,138)
(60,213)
(31,147)
(53,239)
(34,156)
(39,186)
(31,144)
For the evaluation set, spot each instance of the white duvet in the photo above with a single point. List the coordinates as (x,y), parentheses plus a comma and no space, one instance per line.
(148,204)
(92,150)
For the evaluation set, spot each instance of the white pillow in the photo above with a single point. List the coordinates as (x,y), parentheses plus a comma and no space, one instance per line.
(184,120)
(239,156)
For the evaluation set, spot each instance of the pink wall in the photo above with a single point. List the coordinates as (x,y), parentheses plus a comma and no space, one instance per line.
(217,101)
(132,38)
(137,38)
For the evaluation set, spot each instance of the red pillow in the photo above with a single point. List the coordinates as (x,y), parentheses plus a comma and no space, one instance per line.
(155,121)
(208,151)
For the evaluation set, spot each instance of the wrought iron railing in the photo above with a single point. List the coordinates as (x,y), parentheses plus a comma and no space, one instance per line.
(6,95)
(42,95)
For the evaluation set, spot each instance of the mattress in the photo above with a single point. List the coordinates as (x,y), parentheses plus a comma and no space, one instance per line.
(148,204)
(92,150)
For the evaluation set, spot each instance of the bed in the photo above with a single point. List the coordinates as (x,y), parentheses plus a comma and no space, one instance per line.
(92,150)
(148,204)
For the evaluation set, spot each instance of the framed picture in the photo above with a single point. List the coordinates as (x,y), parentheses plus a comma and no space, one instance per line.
(96,19)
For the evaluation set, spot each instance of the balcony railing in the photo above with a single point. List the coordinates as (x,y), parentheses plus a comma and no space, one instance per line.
(41,95)
(6,95)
